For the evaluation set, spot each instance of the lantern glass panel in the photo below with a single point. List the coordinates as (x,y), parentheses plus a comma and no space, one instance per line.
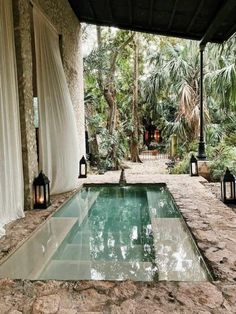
(39,194)
(229,190)
(222,191)
(194,168)
(47,193)
(82,170)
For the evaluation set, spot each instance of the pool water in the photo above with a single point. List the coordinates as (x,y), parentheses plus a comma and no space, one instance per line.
(111,233)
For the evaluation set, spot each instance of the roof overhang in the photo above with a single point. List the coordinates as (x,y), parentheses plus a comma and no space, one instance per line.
(202,20)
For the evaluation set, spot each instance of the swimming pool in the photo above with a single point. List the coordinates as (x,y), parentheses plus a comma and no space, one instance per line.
(111,232)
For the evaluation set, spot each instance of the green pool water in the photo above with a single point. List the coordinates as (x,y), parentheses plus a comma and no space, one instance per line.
(111,233)
(118,227)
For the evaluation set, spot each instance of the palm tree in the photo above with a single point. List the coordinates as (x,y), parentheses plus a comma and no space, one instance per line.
(221,76)
(176,77)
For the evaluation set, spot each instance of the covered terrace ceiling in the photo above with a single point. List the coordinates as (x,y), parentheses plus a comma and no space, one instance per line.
(203,20)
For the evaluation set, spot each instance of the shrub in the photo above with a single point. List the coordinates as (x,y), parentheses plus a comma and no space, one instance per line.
(222,156)
(182,166)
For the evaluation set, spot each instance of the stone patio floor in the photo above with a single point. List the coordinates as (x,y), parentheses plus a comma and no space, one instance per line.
(213,225)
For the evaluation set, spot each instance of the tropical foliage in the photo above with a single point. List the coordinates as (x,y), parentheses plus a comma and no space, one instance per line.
(130,78)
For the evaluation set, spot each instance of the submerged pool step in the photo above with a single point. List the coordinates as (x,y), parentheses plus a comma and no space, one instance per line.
(78,207)
(32,256)
(176,254)
(161,206)
(100,252)
(86,236)
(97,270)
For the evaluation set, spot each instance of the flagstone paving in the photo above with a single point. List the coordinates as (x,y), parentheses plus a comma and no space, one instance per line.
(213,225)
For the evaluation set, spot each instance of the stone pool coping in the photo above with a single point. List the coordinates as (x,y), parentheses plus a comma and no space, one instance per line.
(213,226)
(212,223)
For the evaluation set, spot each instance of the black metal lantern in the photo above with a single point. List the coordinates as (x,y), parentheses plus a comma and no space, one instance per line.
(41,191)
(83,168)
(193,168)
(228,188)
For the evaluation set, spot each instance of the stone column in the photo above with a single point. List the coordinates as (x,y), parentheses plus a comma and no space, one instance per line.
(81,111)
(22,25)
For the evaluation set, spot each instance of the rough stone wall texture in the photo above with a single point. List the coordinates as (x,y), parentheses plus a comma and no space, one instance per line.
(21,15)
(64,20)
(203,169)
(81,110)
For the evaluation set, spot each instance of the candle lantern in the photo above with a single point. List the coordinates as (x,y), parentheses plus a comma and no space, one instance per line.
(228,188)
(83,168)
(193,168)
(41,191)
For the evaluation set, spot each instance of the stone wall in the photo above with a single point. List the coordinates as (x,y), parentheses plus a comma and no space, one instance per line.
(21,14)
(64,20)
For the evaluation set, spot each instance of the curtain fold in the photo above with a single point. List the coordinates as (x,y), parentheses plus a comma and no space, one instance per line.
(11,171)
(58,142)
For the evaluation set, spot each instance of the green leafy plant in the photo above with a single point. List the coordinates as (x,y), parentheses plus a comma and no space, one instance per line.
(182,166)
(112,148)
(221,157)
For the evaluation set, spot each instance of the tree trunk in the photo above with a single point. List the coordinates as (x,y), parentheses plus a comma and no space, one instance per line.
(112,110)
(93,144)
(134,149)
(111,125)
(107,87)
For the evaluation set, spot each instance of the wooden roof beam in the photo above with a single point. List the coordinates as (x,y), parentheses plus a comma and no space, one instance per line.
(150,12)
(172,15)
(231,31)
(222,13)
(92,9)
(199,7)
(130,4)
(109,9)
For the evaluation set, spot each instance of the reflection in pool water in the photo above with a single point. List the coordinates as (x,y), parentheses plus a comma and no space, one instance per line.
(115,241)
(113,233)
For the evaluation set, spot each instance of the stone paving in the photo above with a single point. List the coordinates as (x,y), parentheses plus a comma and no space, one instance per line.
(213,225)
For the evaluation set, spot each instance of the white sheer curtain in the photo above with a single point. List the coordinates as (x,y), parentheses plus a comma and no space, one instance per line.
(11,173)
(58,142)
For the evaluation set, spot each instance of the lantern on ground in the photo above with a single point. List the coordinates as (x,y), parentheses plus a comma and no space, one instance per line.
(41,191)
(228,188)
(193,168)
(83,168)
